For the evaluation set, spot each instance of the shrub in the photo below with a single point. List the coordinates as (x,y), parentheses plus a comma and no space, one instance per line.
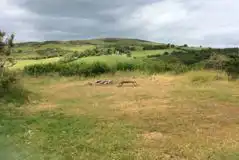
(154,56)
(166,53)
(155,47)
(125,66)
(129,55)
(11,91)
(232,67)
(216,61)
(97,68)
(41,69)
(52,52)
(68,69)
(7,80)
(161,67)
(185,45)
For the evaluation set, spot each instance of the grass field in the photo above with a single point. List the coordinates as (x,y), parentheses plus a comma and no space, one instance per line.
(78,48)
(192,116)
(150,52)
(30,51)
(22,63)
(187,117)
(111,59)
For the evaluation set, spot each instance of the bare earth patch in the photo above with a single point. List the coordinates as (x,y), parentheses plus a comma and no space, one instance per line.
(153,136)
(41,107)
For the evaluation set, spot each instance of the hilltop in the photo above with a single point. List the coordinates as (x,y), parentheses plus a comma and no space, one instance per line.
(99,41)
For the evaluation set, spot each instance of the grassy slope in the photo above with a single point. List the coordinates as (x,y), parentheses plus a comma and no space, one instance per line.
(29,50)
(110,60)
(166,117)
(22,63)
(107,59)
(150,52)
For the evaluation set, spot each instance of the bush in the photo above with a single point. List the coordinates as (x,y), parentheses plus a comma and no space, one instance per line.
(52,52)
(161,67)
(7,80)
(129,55)
(11,91)
(126,66)
(166,53)
(68,69)
(97,68)
(154,56)
(232,67)
(156,47)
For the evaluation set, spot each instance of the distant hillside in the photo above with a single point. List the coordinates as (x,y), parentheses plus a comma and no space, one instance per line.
(100,41)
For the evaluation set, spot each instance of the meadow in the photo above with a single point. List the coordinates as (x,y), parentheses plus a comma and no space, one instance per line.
(20,64)
(109,59)
(165,117)
(188,116)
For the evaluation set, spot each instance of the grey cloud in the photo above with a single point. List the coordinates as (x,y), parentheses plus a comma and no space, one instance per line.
(79,8)
(194,22)
(82,17)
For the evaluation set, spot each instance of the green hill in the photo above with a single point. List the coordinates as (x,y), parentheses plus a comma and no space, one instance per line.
(99,41)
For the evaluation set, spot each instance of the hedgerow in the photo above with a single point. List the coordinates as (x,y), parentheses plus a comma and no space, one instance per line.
(85,69)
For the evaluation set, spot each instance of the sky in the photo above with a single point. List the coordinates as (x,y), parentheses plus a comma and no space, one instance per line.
(212,23)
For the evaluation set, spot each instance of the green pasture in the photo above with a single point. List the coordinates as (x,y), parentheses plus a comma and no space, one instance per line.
(22,63)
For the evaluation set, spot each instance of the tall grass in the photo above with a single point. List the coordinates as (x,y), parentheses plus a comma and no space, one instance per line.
(11,89)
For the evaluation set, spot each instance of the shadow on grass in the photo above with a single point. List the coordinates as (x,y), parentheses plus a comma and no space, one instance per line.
(53,135)
(16,96)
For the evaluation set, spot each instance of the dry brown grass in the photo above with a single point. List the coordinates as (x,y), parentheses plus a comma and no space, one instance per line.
(176,118)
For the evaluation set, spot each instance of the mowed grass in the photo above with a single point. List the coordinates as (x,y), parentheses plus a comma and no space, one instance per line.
(22,63)
(191,116)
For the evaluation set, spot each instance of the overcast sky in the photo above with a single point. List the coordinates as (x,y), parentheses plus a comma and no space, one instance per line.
(195,22)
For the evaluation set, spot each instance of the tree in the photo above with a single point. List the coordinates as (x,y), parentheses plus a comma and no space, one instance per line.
(166,53)
(6,45)
(129,54)
(232,67)
(6,77)
(217,62)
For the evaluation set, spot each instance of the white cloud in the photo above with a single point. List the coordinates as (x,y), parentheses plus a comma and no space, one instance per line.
(192,22)
(158,14)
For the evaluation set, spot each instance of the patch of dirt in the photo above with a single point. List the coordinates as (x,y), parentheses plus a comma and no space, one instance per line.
(143,106)
(41,107)
(153,136)
(150,96)
(62,86)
